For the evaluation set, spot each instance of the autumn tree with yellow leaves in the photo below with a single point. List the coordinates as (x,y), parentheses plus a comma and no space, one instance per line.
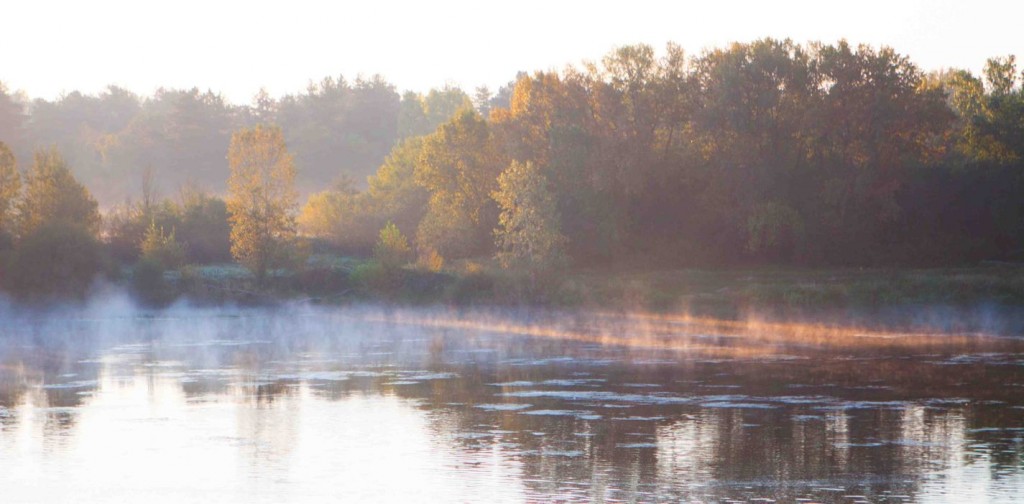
(10,186)
(458,165)
(261,202)
(56,253)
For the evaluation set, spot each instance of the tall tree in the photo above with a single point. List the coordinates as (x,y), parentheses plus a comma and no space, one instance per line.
(261,199)
(421,115)
(339,128)
(528,236)
(10,186)
(57,252)
(1001,74)
(52,195)
(12,121)
(393,188)
(458,165)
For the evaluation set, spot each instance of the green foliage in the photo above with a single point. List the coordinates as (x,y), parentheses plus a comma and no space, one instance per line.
(372,278)
(56,259)
(420,115)
(338,124)
(12,123)
(123,229)
(345,219)
(199,221)
(148,281)
(763,152)
(393,193)
(473,287)
(52,195)
(202,227)
(10,187)
(112,136)
(162,248)
(529,235)
(392,250)
(458,165)
(775,228)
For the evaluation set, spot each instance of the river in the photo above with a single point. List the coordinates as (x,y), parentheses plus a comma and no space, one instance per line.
(310,404)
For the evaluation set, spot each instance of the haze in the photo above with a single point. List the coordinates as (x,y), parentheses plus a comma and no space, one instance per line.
(49,47)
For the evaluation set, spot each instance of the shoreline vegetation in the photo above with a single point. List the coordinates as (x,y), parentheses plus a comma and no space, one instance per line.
(339,280)
(766,177)
(928,299)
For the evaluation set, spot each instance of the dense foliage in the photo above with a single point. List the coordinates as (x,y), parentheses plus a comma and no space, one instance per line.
(335,128)
(261,199)
(768,152)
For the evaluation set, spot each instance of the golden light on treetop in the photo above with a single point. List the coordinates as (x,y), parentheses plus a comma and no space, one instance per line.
(261,199)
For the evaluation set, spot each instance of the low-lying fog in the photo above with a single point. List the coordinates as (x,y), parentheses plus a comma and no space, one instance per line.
(107,401)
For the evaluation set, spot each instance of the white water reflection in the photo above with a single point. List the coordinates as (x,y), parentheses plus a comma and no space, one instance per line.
(322,407)
(140,439)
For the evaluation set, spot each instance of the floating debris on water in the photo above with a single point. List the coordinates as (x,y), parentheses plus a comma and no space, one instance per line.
(636,445)
(503,407)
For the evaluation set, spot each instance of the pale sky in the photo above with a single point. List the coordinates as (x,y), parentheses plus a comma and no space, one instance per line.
(49,46)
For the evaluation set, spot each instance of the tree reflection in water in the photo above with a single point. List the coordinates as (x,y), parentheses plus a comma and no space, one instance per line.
(275,407)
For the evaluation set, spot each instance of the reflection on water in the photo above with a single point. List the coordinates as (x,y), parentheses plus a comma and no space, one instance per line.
(315,406)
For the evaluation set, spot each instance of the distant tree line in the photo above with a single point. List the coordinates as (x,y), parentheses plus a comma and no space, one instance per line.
(338,130)
(767,152)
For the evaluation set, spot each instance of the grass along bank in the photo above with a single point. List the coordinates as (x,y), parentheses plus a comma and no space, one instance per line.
(337,279)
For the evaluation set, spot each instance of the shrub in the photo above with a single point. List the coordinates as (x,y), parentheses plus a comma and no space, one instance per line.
(54,260)
(430,260)
(148,281)
(162,248)
(473,287)
(367,275)
(204,228)
(347,220)
(392,249)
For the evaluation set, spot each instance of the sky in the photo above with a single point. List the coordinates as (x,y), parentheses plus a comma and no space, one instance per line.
(50,47)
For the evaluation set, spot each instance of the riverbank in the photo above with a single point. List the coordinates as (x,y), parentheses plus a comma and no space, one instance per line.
(339,280)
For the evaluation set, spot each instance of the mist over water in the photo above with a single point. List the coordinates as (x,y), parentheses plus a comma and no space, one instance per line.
(109,402)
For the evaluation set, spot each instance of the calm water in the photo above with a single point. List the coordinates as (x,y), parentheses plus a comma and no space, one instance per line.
(327,405)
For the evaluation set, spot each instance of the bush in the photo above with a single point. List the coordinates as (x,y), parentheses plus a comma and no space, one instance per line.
(54,260)
(204,228)
(473,287)
(199,223)
(148,281)
(367,275)
(430,260)
(345,219)
(392,249)
(162,248)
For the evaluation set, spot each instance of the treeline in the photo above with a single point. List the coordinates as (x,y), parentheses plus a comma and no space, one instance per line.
(338,130)
(761,153)
(768,152)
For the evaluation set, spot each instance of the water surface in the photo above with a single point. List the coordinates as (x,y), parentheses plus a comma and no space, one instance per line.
(320,405)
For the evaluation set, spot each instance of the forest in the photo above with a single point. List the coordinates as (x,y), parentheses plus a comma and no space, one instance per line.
(769,153)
